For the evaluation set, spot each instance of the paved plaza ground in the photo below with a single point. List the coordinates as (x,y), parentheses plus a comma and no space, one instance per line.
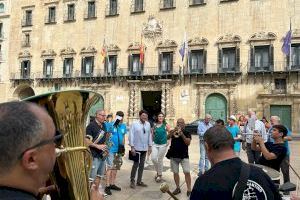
(153,191)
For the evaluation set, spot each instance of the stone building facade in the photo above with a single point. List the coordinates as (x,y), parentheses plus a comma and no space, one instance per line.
(233,62)
(5,6)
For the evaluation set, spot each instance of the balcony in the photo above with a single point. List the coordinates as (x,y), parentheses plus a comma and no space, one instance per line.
(261,68)
(229,69)
(50,20)
(189,71)
(25,44)
(26,23)
(18,78)
(196,2)
(54,75)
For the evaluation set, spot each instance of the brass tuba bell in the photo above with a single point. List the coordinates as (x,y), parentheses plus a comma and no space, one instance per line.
(69,111)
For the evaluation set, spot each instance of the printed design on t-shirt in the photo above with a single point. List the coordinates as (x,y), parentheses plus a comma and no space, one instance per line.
(254,191)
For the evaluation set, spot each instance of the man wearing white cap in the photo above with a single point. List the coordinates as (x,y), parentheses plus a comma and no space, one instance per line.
(235,132)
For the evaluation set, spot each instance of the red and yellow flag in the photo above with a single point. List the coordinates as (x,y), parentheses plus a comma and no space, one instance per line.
(142,51)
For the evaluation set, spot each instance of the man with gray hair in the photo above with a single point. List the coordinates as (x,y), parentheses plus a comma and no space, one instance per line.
(96,136)
(27,146)
(202,127)
(254,125)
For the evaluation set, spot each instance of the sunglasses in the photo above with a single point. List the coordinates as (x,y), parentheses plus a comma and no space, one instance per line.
(57,140)
(144,130)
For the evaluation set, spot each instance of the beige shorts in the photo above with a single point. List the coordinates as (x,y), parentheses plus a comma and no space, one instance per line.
(185,164)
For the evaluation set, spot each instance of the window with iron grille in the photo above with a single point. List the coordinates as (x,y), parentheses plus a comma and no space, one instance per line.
(111,65)
(48,68)
(25,69)
(138,5)
(28,18)
(71,12)
(229,59)
(280,85)
(26,42)
(135,66)
(113,7)
(196,61)
(262,59)
(166,62)
(68,67)
(51,15)
(87,66)
(295,56)
(167,4)
(91,9)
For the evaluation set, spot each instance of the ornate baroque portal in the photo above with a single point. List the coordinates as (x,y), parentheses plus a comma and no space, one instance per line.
(135,89)
(228,90)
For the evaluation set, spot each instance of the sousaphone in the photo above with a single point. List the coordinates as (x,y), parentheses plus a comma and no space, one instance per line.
(69,110)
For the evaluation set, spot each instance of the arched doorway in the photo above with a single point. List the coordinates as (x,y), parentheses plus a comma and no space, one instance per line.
(216,106)
(98,106)
(23,91)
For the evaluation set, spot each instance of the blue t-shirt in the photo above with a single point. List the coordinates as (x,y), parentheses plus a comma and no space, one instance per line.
(234,130)
(117,134)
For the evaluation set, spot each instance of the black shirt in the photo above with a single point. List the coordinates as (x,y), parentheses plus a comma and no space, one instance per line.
(219,182)
(279,150)
(7,193)
(178,148)
(94,131)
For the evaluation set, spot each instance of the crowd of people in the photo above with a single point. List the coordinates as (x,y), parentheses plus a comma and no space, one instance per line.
(29,153)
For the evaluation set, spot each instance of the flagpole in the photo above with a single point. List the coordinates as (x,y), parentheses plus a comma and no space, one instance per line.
(290,63)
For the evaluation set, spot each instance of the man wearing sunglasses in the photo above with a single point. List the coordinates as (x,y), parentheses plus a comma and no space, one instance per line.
(140,140)
(27,146)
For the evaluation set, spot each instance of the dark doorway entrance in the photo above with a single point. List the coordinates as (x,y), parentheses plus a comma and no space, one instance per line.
(152,103)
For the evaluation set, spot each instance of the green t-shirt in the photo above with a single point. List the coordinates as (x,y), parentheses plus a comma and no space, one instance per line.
(160,134)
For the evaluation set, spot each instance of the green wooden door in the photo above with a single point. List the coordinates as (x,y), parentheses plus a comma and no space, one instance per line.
(98,106)
(216,106)
(284,112)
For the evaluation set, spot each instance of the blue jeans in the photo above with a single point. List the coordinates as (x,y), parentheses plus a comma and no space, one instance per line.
(203,162)
(98,168)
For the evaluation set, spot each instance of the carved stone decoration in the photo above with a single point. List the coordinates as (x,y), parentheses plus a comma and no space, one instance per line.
(134,46)
(25,54)
(88,50)
(67,52)
(163,98)
(152,29)
(113,48)
(296,34)
(168,100)
(229,38)
(197,41)
(131,101)
(136,100)
(167,44)
(48,53)
(262,36)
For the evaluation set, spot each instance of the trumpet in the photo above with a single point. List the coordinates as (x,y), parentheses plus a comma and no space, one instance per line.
(177,131)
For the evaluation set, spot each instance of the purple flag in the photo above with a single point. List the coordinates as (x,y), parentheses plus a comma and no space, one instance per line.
(287,43)
(183,47)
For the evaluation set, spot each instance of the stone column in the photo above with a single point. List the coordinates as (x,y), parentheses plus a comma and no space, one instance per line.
(168,102)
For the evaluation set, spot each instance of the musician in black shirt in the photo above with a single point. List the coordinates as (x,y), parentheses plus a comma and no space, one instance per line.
(272,153)
(95,138)
(221,180)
